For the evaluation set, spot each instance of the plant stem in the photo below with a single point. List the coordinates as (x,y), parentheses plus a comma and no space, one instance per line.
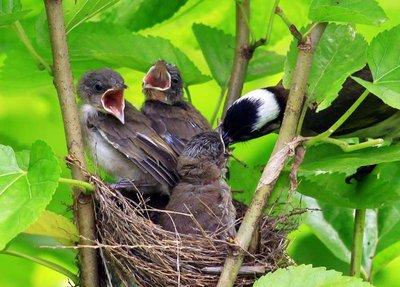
(189,96)
(41,63)
(287,133)
(242,54)
(83,204)
(357,247)
(78,183)
(352,147)
(46,263)
(218,106)
(292,28)
(340,121)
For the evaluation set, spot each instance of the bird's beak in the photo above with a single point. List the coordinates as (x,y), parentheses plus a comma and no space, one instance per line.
(158,77)
(113,102)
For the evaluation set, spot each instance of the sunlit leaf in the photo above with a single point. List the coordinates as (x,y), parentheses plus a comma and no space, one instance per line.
(307,276)
(218,50)
(353,11)
(56,226)
(24,194)
(85,10)
(116,46)
(141,14)
(383,57)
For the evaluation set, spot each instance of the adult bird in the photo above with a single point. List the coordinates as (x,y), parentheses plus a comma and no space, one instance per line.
(202,191)
(175,120)
(263,111)
(120,138)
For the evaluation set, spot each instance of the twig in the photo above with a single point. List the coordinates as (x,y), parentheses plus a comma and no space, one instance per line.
(346,147)
(244,270)
(292,28)
(189,96)
(41,63)
(218,106)
(83,205)
(357,246)
(287,133)
(78,183)
(242,54)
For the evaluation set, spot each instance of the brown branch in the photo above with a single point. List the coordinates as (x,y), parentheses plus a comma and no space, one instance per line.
(83,204)
(242,54)
(279,155)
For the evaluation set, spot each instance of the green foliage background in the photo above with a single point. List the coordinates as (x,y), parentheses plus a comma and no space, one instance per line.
(29,108)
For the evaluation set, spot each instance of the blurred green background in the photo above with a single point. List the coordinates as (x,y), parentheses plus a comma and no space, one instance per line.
(29,111)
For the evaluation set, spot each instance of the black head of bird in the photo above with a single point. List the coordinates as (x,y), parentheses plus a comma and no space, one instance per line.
(163,82)
(104,90)
(254,114)
(204,158)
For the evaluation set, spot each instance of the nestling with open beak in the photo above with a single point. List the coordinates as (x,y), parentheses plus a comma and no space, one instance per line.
(120,138)
(202,191)
(175,120)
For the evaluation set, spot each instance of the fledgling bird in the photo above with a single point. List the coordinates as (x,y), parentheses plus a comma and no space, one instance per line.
(263,111)
(119,137)
(202,190)
(175,120)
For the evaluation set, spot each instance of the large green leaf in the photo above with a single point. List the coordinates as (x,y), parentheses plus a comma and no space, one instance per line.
(116,46)
(340,52)
(86,9)
(55,226)
(141,14)
(352,11)
(307,276)
(218,49)
(24,194)
(384,61)
(10,11)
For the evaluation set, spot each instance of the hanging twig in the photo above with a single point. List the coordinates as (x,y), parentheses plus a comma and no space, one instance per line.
(271,171)
(242,54)
(83,204)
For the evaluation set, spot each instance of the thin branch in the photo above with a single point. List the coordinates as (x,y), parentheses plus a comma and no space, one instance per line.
(242,54)
(83,205)
(292,28)
(218,106)
(78,183)
(346,147)
(267,181)
(357,246)
(189,96)
(44,262)
(41,63)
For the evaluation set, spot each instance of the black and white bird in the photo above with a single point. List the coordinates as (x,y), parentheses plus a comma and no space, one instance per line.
(174,119)
(260,112)
(120,138)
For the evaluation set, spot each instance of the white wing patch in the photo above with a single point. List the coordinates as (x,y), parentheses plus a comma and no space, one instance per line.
(268,108)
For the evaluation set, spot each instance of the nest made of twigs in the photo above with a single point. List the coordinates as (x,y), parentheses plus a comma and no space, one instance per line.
(137,252)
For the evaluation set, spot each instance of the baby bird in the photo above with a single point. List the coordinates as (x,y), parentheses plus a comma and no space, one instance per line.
(202,192)
(174,119)
(119,137)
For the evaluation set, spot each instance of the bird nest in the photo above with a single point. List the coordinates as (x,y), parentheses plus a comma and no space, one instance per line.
(137,252)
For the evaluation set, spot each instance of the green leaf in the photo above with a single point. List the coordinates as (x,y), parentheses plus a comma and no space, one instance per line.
(98,41)
(10,11)
(138,15)
(56,226)
(218,49)
(307,276)
(84,10)
(24,194)
(340,52)
(383,57)
(353,11)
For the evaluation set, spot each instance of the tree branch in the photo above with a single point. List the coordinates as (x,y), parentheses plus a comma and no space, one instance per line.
(357,246)
(292,28)
(242,54)
(83,205)
(267,181)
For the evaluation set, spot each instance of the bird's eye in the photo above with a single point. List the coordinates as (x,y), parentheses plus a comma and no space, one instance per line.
(98,87)
(175,80)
